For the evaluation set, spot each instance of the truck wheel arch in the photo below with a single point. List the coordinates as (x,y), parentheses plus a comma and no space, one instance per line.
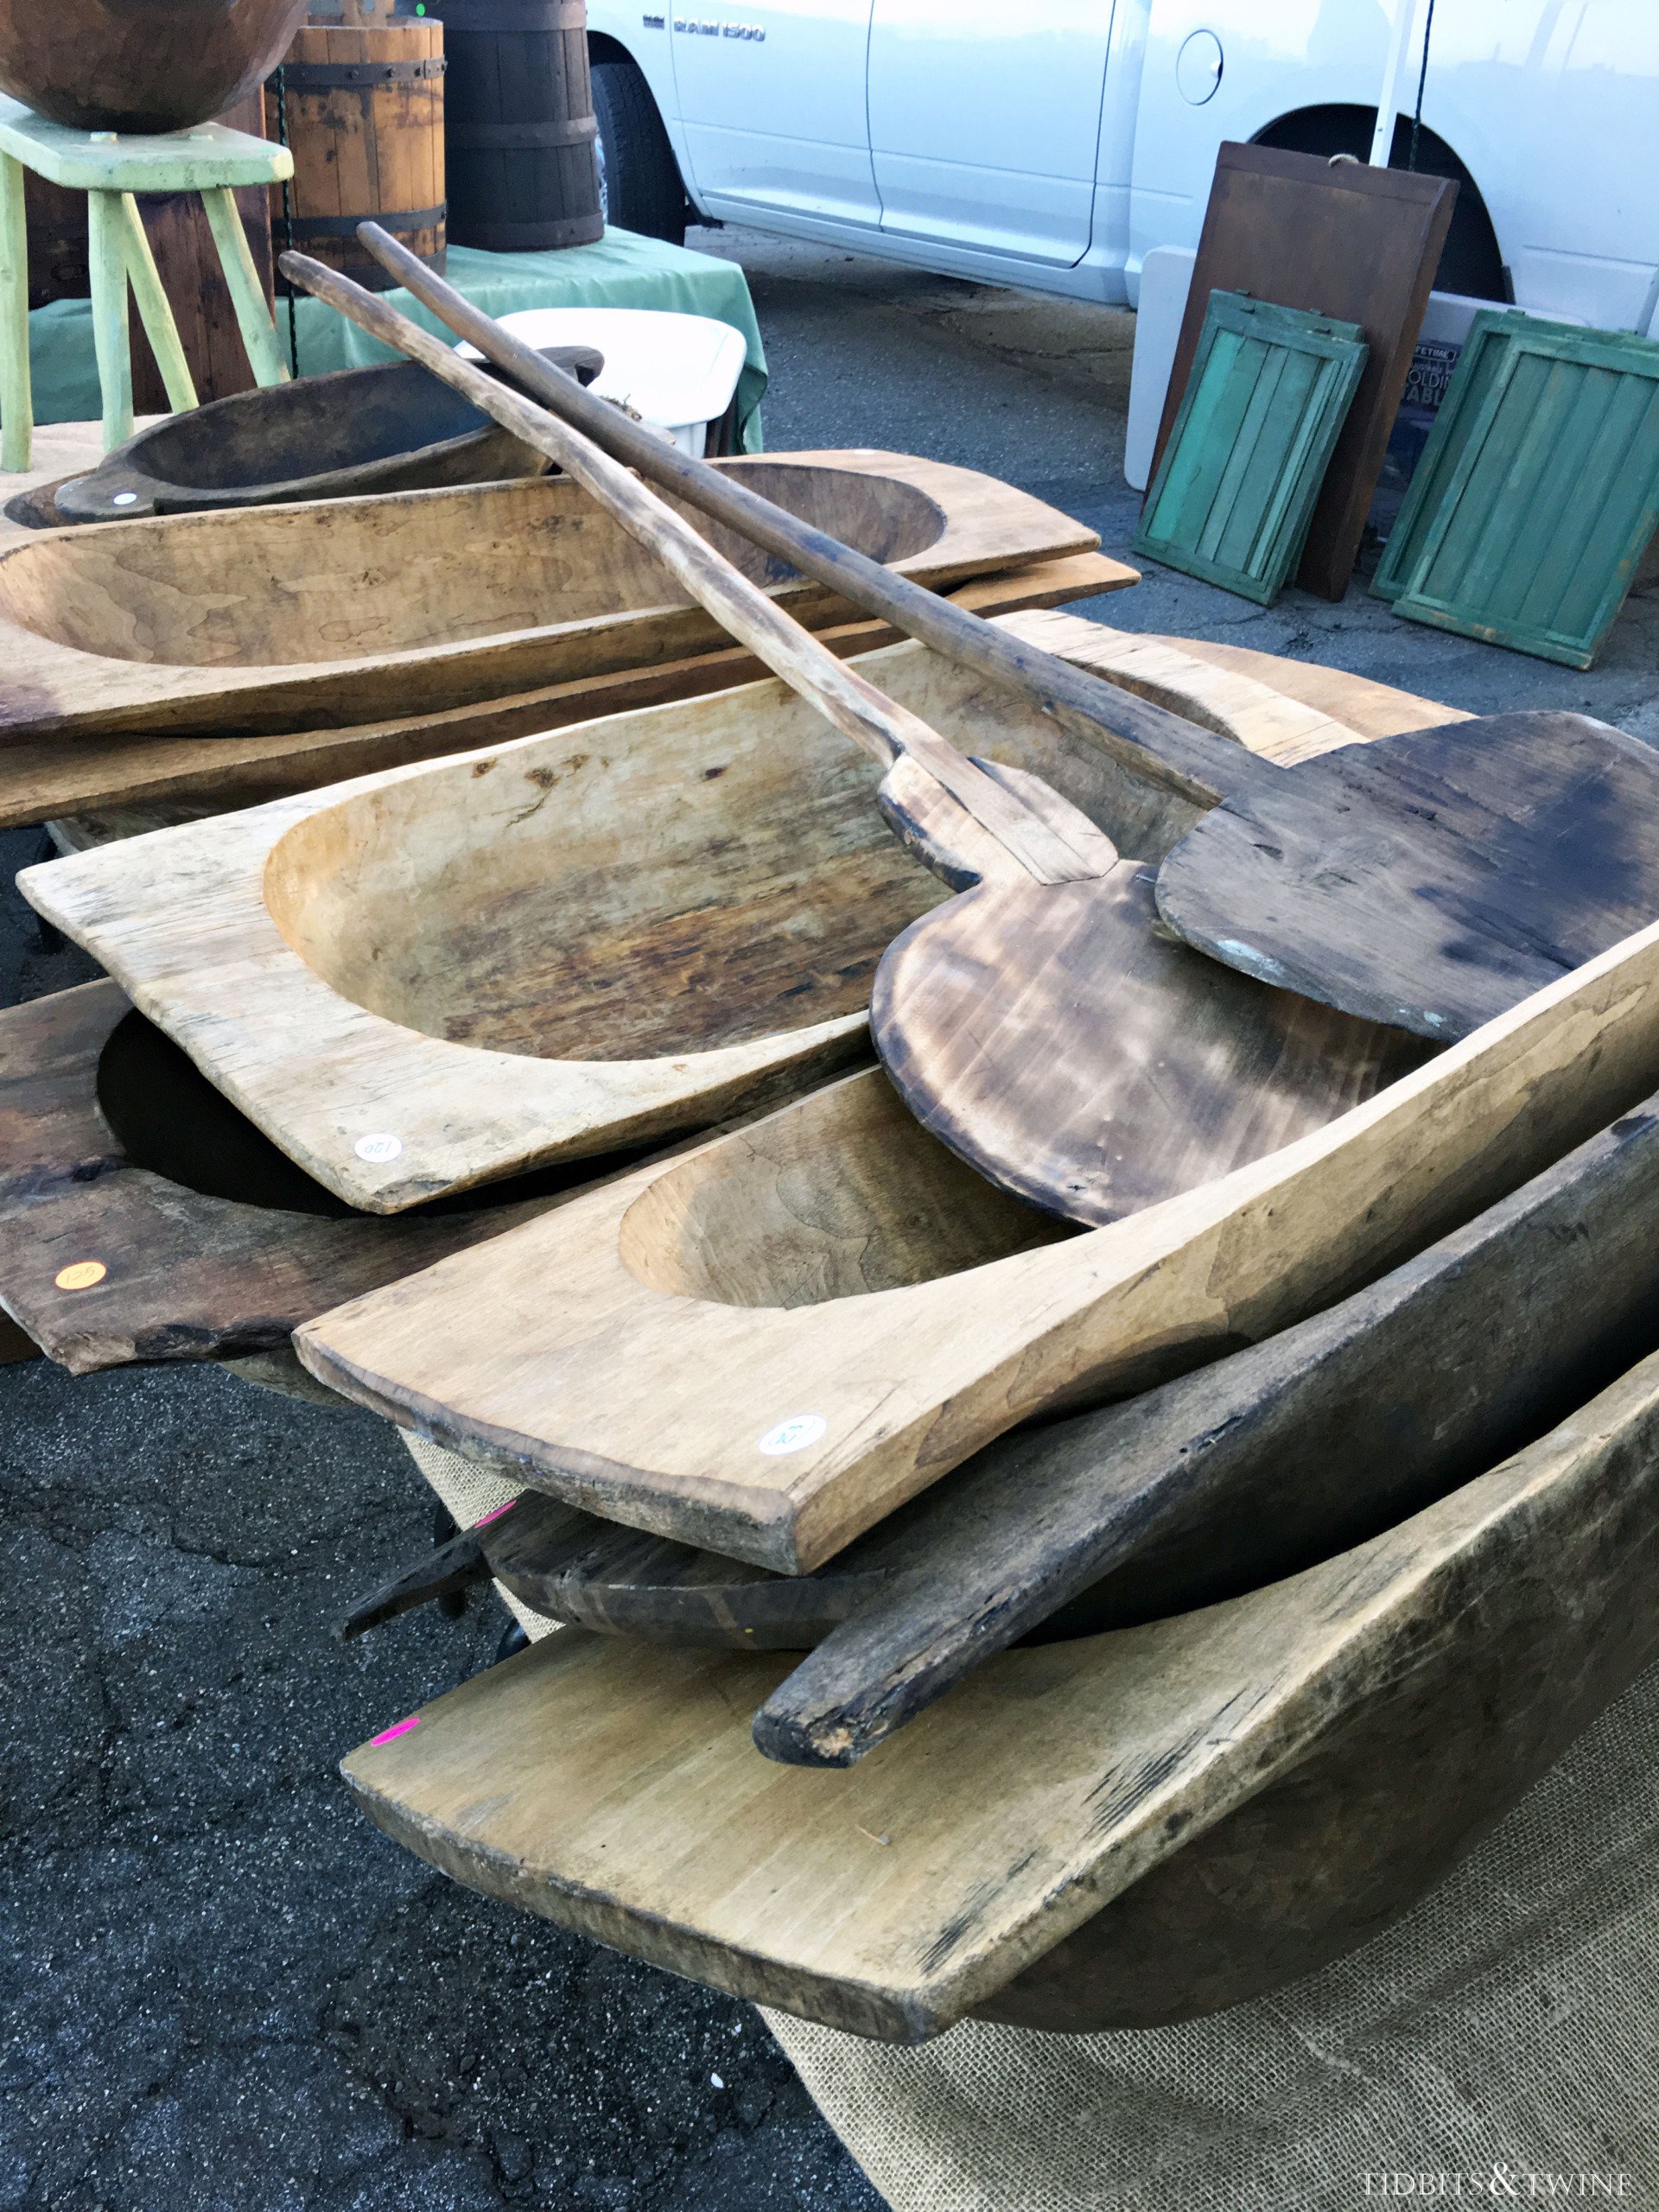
(1472,262)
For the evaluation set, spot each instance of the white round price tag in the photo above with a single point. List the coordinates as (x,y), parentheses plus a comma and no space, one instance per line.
(792,1435)
(378,1148)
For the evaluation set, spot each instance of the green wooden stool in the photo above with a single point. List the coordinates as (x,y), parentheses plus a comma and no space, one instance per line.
(109,169)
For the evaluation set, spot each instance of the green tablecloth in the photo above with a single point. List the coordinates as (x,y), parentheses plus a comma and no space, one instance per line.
(622,270)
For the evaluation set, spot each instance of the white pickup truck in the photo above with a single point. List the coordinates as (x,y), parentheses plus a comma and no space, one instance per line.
(1051,144)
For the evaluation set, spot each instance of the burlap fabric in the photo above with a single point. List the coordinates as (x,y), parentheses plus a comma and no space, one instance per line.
(1500,2045)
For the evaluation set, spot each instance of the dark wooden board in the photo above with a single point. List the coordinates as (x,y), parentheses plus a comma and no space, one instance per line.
(571,1567)
(1485,858)
(1355,243)
(217,1245)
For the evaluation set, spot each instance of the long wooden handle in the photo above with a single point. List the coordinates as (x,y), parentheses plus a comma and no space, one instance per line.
(846,699)
(1140,735)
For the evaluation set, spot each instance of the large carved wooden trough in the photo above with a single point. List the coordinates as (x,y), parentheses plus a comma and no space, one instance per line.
(443,974)
(1121,1831)
(339,610)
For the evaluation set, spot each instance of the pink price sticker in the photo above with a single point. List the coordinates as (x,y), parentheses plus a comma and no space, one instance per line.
(397,1728)
(496,1516)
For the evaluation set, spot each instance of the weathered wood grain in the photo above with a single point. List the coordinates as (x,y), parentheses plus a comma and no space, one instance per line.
(834,1265)
(1485,874)
(1131,1828)
(1257,1467)
(1069,1051)
(469,955)
(217,775)
(253,621)
(1433,952)
(116,1155)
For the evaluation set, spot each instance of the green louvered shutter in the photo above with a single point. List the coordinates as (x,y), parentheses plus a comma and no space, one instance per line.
(1235,489)
(1485,350)
(1537,523)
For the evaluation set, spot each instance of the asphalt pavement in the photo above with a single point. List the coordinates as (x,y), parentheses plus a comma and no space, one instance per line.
(222,1991)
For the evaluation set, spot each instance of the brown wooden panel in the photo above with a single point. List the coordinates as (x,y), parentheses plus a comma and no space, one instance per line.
(1357,243)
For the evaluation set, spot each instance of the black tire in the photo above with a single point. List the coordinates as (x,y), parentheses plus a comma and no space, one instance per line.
(1470,262)
(639,185)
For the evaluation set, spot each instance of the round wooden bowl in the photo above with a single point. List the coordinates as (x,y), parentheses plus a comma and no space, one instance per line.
(140,65)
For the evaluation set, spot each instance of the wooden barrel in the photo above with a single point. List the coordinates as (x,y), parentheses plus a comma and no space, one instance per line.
(362,111)
(523,171)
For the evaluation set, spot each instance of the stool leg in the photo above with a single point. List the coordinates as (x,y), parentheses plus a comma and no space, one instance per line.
(155,310)
(16,397)
(247,293)
(106,254)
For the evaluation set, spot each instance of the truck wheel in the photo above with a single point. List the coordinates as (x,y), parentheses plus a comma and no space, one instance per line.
(639,187)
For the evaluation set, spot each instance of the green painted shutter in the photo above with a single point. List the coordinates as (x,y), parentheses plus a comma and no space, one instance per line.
(1483,351)
(1545,495)
(1235,491)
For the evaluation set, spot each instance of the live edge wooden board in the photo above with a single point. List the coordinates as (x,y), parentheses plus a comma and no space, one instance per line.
(401,957)
(820,1315)
(337,611)
(1137,1827)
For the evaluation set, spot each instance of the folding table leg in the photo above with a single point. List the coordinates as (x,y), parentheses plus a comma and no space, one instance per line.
(16,397)
(106,254)
(155,310)
(247,293)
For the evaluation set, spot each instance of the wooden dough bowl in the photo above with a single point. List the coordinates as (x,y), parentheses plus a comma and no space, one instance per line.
(140,65)
(820,1315)
(45,780)
(390,427)
(573,941)
(119,1162)
(1239,1473)
(1131,1829)
(336,611)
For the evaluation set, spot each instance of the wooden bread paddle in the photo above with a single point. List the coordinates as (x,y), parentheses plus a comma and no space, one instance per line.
(1157,1070)
(1428,882)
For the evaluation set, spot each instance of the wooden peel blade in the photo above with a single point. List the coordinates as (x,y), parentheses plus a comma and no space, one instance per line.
(1428,882)
(1038,1024)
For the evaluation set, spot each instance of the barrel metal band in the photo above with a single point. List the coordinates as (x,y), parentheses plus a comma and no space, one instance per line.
(389,218)
(515,138)
(325,76)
